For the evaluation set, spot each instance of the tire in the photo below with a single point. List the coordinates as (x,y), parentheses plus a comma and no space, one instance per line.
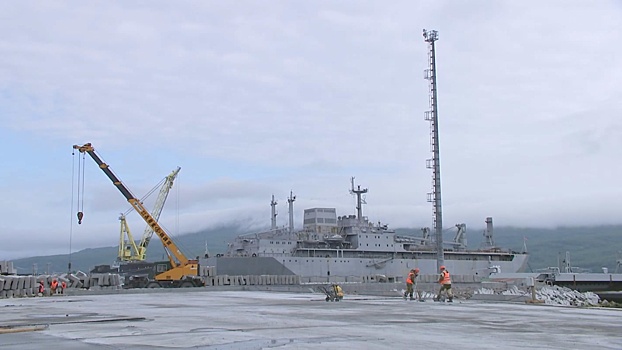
(186,284)
(153,284)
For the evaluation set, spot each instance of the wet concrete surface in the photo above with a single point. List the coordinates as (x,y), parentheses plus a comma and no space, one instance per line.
(200,319)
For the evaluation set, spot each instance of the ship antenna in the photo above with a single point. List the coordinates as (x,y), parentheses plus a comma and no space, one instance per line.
(273,204)
(430,36)
(359,201)
(290,201)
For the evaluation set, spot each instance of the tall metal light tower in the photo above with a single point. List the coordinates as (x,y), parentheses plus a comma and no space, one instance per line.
(430,36)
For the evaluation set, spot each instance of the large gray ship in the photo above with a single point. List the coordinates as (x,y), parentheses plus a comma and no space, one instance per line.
(329,245)
(351,245)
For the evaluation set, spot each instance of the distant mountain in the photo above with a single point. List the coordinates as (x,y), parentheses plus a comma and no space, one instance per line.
(191,244)
(589,247)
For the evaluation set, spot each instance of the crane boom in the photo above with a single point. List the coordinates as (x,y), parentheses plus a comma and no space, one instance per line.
(157,210)
(169,246)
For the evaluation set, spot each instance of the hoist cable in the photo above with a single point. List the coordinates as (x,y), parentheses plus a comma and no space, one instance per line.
(73,175)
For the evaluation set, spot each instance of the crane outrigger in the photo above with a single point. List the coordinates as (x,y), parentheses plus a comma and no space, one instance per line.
(183,271)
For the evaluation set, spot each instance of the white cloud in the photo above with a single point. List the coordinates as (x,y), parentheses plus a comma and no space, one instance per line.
(260,99)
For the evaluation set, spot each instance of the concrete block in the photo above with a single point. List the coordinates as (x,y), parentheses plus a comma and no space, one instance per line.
(9,293)
(8,282)
(20,283)
(14,280)
(74,281)
(105,280)
(2,283)
(2,294)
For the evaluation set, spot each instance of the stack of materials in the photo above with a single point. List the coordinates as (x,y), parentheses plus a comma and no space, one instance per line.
(28,286)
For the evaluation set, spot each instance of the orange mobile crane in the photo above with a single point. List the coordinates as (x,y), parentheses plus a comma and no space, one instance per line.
(183,271)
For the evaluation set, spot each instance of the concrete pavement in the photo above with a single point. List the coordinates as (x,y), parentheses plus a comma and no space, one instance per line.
(202,319)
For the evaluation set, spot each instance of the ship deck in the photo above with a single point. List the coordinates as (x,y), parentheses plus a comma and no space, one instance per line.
(202,319)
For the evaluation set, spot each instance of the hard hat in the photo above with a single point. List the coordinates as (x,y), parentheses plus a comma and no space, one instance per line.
(442,267)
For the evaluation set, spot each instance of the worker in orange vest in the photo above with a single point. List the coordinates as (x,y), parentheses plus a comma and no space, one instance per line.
(411,281)
(63,285)
(53,286)
(445,280)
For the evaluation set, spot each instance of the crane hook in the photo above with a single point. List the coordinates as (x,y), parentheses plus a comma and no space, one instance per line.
(80,216)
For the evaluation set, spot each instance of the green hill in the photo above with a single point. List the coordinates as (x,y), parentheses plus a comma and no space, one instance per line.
(191,244)
(590,247)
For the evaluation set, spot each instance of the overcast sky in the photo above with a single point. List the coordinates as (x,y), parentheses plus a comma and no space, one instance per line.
(255,98)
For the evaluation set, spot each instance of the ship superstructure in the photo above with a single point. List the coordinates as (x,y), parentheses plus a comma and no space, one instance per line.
(352,245)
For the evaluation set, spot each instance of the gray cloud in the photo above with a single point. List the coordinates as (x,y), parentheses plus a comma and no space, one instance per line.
(259,99)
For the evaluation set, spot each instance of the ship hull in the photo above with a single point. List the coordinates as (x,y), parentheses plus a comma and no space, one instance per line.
(479,265)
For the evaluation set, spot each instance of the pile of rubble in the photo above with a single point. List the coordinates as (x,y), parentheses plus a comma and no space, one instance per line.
(551,295)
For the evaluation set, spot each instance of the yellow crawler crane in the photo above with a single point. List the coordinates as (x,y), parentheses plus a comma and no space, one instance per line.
(183,271)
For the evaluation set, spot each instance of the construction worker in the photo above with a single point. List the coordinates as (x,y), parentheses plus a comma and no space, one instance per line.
(63,285)
(53,286)
(445,280)
(338,292)
(41,289)
(411,281)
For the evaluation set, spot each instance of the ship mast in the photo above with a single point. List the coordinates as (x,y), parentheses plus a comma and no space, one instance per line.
(290,202)
(273,204)
(359,200)
(430,36)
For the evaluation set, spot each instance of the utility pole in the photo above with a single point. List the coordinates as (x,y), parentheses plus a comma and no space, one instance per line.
(430,36)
